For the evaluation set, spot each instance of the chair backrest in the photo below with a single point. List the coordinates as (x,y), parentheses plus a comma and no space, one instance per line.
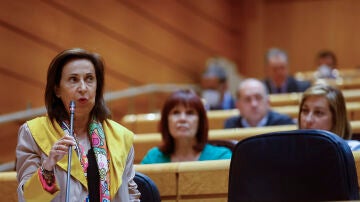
(300,165)
(149,191)
(230,144)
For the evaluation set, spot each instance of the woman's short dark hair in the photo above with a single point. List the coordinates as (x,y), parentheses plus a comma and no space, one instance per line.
(188,98)
(55,107)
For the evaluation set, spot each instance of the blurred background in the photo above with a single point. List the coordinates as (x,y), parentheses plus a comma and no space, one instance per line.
(148,42)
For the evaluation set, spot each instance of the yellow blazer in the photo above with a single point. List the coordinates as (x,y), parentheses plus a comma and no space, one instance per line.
(37,136)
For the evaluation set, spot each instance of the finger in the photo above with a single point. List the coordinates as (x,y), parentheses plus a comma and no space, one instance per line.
(60,150)
(58,146)
(67,137)
(54,147)
(63,147)
(68,140)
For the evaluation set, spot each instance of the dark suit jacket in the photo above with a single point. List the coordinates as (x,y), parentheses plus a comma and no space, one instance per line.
(293,85)
(274,119)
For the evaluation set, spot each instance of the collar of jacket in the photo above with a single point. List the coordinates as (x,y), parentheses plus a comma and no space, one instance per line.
(118,139)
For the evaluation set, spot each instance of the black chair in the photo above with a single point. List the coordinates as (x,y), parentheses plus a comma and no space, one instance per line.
(300,165)
(149,191)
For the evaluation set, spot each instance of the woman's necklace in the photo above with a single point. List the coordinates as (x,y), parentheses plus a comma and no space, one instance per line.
(84,145)
(79,148)
(84,142)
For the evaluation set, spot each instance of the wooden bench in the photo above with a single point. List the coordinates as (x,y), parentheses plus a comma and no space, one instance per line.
(343,84)
(217,118)
(174,180)
(165,177)
(345,74)
(193,181)
(144,142)
(8,186)
(205,181)
(148,123)
(294,98)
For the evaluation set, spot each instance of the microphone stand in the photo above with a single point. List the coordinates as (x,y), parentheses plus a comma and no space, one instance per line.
(72,110)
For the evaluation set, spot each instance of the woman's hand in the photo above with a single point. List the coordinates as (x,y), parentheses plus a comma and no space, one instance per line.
(58,151)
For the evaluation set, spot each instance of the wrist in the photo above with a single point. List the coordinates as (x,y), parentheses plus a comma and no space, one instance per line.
(46,165)
(47,176)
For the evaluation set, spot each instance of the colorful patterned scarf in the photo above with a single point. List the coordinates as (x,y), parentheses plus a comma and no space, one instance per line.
(98,144)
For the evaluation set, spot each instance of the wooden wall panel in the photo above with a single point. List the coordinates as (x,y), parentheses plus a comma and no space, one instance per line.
(8,139)
(120,58)
(220,14)
(184,21)
(161,41)
(22,50)
(169,41)
(307,28)
(18,95)
(302,27)
(142,33)
(141,42)
(36,35)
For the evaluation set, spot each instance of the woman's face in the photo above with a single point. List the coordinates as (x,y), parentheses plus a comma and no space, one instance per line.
(183,122)
(316,114)
(78,83)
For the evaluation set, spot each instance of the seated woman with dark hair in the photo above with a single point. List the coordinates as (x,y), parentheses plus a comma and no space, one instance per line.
(184,130)
(323,107)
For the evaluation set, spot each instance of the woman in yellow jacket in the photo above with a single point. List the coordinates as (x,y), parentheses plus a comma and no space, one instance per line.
(102,158)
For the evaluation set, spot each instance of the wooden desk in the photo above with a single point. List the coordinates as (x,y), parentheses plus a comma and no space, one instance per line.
(144,142)
(194,181)
(294,98)
(8,186)
(344,74)
(343,84)
(148,123)
(217,118)
(205,181)
(165,177)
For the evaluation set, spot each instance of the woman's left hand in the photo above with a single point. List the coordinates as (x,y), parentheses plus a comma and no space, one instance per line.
(58,151)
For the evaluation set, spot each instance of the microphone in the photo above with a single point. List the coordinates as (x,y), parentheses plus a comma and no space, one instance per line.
(72,112)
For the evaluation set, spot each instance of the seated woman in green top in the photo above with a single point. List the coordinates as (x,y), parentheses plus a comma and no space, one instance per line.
(184,130)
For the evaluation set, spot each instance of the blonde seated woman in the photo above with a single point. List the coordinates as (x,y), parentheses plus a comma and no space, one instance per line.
(323,107)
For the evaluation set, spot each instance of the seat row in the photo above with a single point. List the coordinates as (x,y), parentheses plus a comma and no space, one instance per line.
(205,181)
(148,123)
(144,142)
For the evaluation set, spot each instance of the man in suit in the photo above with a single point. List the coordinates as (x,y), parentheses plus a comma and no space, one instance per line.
(279,80)
(254,106)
